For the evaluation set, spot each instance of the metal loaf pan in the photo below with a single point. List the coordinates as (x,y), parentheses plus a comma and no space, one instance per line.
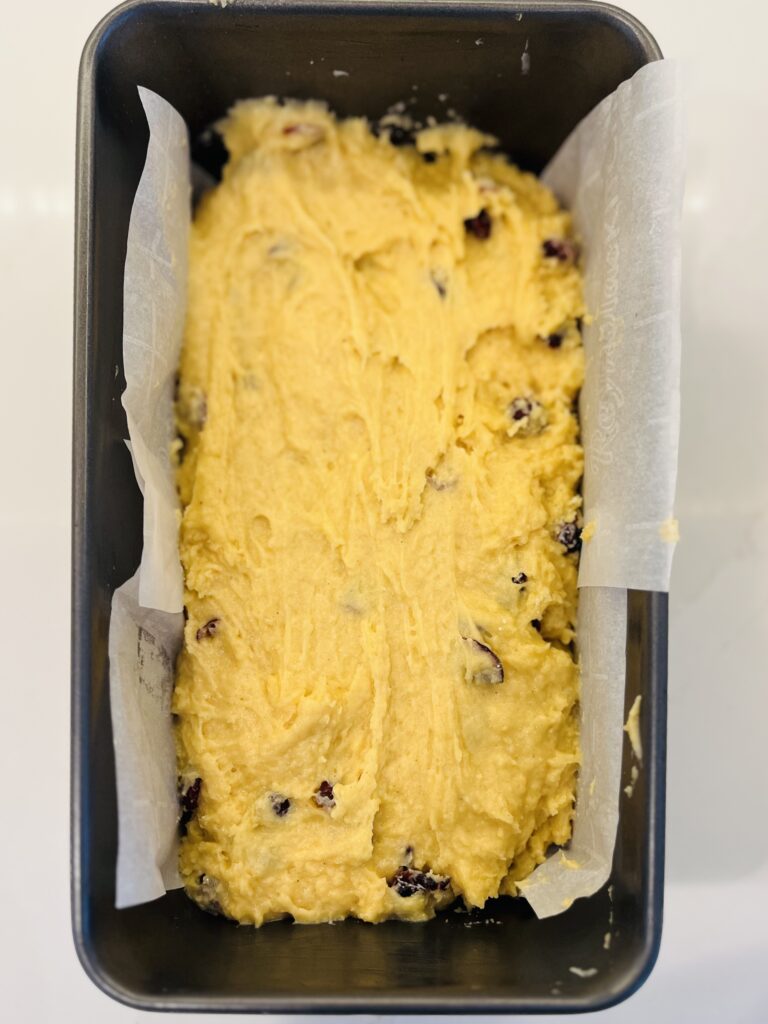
(202,57)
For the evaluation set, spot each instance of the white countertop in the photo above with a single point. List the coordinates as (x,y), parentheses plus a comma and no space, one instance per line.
(713,965)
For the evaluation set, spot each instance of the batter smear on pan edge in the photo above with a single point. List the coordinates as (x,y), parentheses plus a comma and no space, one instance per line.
(377,693)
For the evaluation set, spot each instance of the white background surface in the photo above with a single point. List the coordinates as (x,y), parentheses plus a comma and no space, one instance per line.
(713,965)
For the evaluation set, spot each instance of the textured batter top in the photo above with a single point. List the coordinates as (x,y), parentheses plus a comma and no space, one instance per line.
(377,695)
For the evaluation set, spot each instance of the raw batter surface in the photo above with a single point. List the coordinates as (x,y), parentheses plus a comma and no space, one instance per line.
(377,696)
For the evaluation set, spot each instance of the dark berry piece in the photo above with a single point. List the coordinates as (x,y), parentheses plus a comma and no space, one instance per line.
(210,629)
(567,331)
(480,225)
(564,250)
(486,667)
(206,895)
(569,535)
(280,804)
(520,578)
(529,416)
(429,157)
(191,798)
(536,623)
(399,136)
(324,795)
(519,408)
(407,882)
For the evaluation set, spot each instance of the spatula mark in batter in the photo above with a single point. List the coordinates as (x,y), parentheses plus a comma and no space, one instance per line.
(440,281)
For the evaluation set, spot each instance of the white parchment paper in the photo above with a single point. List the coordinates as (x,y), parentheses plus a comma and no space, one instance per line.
(621,173)
(146,625)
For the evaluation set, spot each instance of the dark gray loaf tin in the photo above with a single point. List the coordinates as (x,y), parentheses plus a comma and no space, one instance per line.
(167,955)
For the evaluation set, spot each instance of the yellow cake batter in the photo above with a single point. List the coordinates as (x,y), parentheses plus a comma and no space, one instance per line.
(377,696)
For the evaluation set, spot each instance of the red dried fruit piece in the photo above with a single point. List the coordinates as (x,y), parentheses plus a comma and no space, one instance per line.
(480,225)
(324,795)
(210,629)
(488,667)
(407,882)
(191,798)
(569,535)
(564,250)
(310,132)
(280,804)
